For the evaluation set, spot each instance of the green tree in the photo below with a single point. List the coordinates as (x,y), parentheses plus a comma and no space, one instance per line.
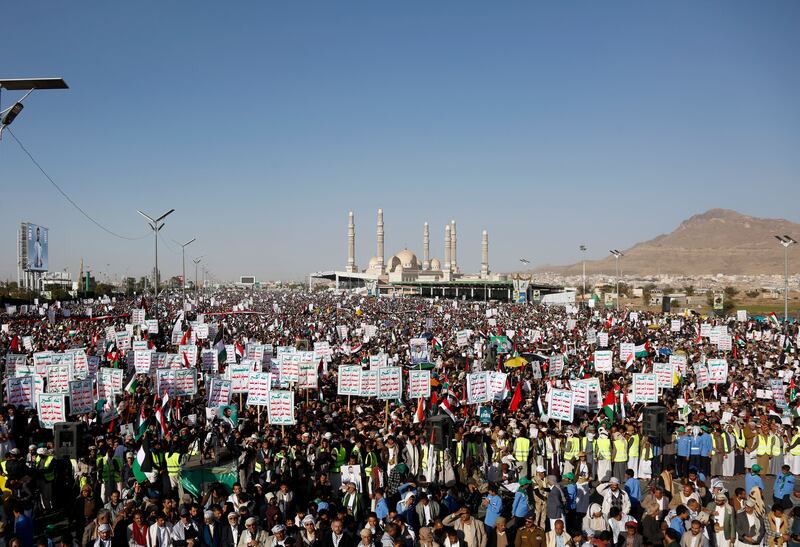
(689,290)
(730,292)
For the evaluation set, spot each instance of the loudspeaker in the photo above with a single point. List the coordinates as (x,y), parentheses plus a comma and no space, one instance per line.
(439,431)
(654,421)
(68,439)
(666,304)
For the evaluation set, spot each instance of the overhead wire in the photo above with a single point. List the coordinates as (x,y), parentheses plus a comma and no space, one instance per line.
(66,196)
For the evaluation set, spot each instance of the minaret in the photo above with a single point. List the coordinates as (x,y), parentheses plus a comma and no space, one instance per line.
(453,254)
(380,240)
(485,255)
(426,248)
(351,245)
(447,248)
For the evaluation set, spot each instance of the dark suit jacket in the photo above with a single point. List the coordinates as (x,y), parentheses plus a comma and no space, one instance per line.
(226,535)
(346,541)
(205,535)
(743,529)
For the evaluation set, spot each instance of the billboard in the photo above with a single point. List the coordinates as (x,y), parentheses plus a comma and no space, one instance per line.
(36,238)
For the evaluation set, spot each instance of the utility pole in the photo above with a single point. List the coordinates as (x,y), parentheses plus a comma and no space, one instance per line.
(196,262)
(183,263)
(583,263)
(786,241)
(617,255)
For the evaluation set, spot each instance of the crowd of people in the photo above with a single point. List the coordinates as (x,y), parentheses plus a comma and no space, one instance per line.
(370,472)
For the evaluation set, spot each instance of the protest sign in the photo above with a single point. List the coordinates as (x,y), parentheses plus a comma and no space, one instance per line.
(58,378)
(14,360)
(219,393)
(418,347)
(561,405)
(679,363)
(741,316)
(725,342)
(81,396)
(778,392)
(378,361)
(239,375)
(626,349)
(189,354)
(555,366)
(419,384)
(289,366)
(41,360)
(477,387)
(209,360)
(51,408)
(280,407)
(602,339)
(717,371)
(349,380)
(497,385)
(664,375)
(603,361)
(462,338)
(21,391)
(705,330)
(580,393)
(369,383)
(390,383)
(307,375)
(701,375)
(675,325)
(142,361)
(259,384)
(645,388)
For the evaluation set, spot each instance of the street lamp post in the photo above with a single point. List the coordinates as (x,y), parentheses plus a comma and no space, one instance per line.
(583,264)
(196,262)
(617,255)
(183,263)
(786,241)
(156,225)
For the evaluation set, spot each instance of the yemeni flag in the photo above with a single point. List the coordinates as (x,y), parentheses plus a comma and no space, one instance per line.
(516,399)
(187,336)
(143,463)
(449,405)
(239,348)
(219,345)
(163,414)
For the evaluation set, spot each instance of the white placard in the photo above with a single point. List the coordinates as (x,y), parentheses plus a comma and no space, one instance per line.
(419,384)
(603,361)
(626,349)
(21,391)
(239,375)
(259,385)
(555,366)
(497,385)
(741,316)
(562,405)
(369,383)
(142,361)
(664,375)
(219,393)
(188,353)
(390,383)
(51,408)
(717,371)
(477,387)
(280,407)
(602,339)
(679,363)
(81,396)
(645,388)
(58,378)
(349,380)
(675,325)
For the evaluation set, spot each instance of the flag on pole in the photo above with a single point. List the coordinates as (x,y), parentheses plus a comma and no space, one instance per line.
(143,464)
(449,405)
(186,336)
(142,426)
(517,398)
(239,348)
(610,404)
(219,345)
(419,415)
(15,344)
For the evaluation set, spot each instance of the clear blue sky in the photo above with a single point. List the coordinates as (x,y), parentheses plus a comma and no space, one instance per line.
(262,123)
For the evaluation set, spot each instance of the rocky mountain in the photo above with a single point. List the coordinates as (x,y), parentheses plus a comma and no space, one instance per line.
(714,242)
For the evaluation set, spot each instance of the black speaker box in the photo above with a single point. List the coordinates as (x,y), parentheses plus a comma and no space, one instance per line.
(68,439)
(666,304)
(654,421)
(439,431)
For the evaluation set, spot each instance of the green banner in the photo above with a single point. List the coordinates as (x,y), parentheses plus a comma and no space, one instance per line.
(197,481)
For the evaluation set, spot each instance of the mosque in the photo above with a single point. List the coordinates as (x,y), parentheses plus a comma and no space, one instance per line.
(405,267)
(404,274)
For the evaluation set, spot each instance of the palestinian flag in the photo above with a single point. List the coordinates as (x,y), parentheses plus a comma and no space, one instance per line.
(774,319)
(642,349)
(792,391)
(143,463)
(142,427)
(219,345)
(436,343)
(611,404)
(132,385)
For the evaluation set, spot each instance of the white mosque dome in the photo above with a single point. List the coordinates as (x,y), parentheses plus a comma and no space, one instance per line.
(373,263)
(435,264)
(404,260)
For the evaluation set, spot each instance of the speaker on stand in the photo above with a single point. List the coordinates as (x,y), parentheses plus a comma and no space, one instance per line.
(68,440)
(666,304)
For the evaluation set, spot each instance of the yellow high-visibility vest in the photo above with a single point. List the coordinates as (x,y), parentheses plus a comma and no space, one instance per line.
(174,464)
(621,447)
(776,445)
(724,443)
(740,440)
(571,449)
(796,450)
(763,446)
(633,446)
(522,447)
(603,449)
